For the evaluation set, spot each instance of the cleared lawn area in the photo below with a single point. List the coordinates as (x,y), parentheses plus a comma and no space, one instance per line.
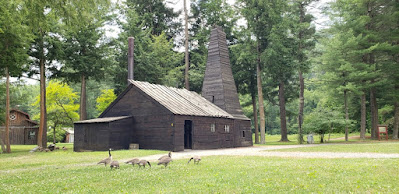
(69,172)
(334,138)
(378,147)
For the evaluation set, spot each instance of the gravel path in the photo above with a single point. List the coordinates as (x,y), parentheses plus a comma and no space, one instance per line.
(262,151)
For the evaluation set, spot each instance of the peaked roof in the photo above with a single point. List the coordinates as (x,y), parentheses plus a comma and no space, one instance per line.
(181,101)
(103,120)
(219,86)
(24,113)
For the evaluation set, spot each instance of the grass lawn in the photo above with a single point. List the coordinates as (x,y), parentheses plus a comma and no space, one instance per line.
(334,138)
(70,172)
(378,147)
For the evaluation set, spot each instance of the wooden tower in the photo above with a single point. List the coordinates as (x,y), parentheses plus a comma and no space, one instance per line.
(219,86)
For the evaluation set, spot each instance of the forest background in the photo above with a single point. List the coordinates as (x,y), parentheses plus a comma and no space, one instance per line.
(291,78)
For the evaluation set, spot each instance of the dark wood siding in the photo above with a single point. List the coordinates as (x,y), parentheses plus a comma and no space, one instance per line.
(243,127)
(102,136)
(202,136)
(152,128)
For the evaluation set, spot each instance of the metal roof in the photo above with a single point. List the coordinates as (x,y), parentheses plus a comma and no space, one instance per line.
(181,101)
(103,120)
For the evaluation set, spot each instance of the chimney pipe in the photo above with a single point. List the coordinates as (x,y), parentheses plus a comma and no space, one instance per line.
(130,59)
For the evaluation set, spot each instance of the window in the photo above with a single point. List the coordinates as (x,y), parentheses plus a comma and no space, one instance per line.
(243,133)
(13,117)
(227,128)
(31,135)
(213,127)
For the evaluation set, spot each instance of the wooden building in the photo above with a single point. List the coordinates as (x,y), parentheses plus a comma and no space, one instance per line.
(23,130)
(167,118)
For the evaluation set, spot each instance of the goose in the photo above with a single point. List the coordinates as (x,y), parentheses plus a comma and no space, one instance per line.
(106,160)
(143,163)
(169,156)
(114,164)
(64,148)
(165,161)
(133,161)
(196,159)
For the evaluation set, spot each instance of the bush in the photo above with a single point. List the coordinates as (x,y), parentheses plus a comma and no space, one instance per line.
(59,135)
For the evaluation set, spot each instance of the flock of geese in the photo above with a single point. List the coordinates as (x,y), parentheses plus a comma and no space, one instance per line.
(163,160)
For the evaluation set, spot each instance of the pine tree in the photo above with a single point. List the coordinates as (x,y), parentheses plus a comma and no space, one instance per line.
(14,39)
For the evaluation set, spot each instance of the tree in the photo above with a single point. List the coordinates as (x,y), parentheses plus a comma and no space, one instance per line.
(14,38)
(155,60)
(85,53)
(304,32)
(243,56)
(369,23)
(45,19)
(324,120)
(187,64)
(105,99)
(61,106)
(156,17)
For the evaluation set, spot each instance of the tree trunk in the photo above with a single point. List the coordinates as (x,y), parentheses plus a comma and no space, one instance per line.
(255,118)
(301,80)
(54,140)
(186,80)
(7,130)
(396,121)
(363,117)
(3,149)
(260,98)
(283,121)
(301,106)
(42,136)
(346,115)
(374,114)
(83,99)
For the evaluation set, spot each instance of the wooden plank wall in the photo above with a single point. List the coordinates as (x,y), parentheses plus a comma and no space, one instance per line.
(219,86)
(243,126)
(152,123)
(202,136)
(91,136)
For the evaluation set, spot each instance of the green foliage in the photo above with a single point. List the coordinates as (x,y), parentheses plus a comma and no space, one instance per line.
(155,61)
(14,37)
(61,104)
(156,17)
(59,134)
(325,120)
(105,99)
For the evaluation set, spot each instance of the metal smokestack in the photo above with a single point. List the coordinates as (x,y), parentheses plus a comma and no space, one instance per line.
(130,59)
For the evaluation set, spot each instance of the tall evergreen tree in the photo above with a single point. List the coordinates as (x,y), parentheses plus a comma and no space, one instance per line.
(85,53)
(14,39)
(46,19)
(156,17)
(304,38)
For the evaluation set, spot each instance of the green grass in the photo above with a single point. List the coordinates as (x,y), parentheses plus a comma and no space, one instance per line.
(69,172)
(380,147)
(334,138)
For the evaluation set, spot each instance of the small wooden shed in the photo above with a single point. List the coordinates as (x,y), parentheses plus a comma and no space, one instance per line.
(23,131)
(103,133)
